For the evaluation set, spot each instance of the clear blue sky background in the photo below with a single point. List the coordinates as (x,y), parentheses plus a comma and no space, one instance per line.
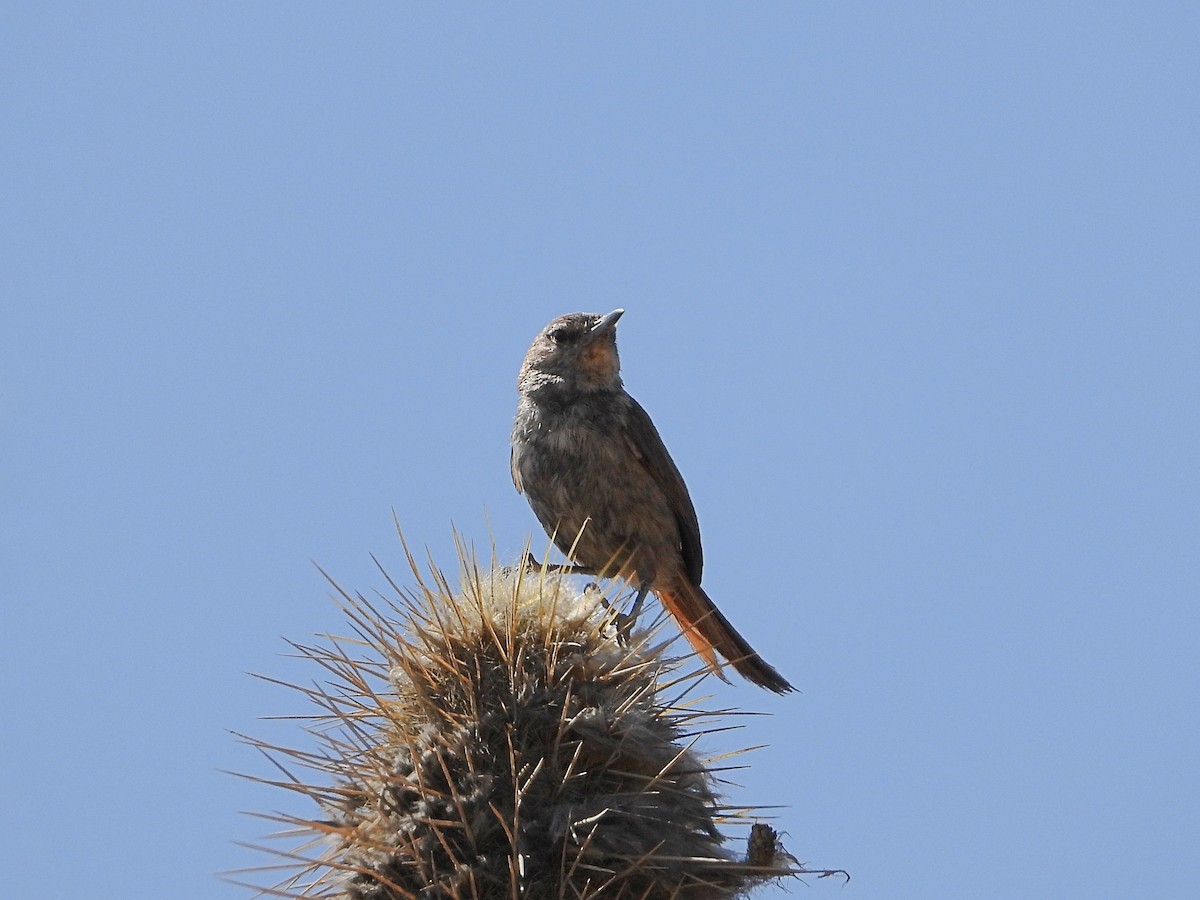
(911,292)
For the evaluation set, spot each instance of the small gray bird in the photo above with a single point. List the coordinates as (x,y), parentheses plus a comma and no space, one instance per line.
(600,480)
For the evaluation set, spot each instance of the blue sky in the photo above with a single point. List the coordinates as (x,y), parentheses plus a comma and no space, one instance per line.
(910,291)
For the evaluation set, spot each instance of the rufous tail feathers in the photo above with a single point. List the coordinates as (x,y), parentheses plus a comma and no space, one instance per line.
(707,630)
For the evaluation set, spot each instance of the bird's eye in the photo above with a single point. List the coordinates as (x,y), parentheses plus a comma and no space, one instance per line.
(560,334)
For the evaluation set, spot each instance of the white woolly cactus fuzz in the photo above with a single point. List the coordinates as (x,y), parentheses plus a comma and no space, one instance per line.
(496,741)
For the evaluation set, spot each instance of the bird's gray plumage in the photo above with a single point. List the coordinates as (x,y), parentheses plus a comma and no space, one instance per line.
(599,479)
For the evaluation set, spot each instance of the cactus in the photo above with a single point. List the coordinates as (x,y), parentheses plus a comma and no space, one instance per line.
(495,741)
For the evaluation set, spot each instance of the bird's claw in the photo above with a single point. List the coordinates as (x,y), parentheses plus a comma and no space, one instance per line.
(622,622)
(624,625)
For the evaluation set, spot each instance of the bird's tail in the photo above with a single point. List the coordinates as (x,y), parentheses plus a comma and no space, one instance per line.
(707,630)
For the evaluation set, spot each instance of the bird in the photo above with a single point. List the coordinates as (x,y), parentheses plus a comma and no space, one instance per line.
(598,477)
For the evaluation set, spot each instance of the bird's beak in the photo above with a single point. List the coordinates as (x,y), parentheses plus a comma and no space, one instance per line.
(606,324)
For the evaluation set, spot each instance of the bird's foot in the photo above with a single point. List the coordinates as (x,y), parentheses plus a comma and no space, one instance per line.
(624,626)
(622,622)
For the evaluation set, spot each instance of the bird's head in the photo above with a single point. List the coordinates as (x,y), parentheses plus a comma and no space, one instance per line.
(578,350)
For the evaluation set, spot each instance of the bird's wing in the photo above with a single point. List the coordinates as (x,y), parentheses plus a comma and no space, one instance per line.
(648,447)
(515,464)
